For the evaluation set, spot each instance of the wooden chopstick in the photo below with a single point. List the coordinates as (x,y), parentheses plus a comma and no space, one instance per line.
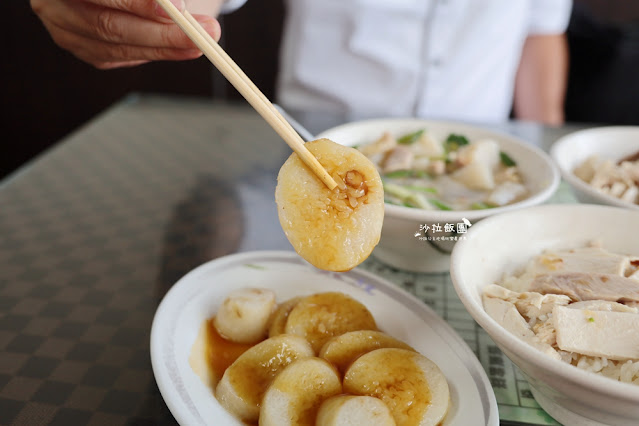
(234,74)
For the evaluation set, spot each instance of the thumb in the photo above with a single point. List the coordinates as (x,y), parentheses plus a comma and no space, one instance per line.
(210,25)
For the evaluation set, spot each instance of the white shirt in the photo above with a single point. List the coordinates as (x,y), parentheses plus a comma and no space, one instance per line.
(231,5)
(442,59)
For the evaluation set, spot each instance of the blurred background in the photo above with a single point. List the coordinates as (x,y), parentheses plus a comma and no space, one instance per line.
(47,93)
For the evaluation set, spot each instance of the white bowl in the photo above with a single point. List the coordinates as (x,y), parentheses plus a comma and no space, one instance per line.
(197,296)
(504,243)
(400,245)
(570,151)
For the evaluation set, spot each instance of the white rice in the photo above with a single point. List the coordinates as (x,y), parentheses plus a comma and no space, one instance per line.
(623,371)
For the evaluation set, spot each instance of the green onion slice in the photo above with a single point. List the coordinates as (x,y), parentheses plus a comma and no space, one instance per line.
(454,141)
(410,138)
(440,205)
(506,160)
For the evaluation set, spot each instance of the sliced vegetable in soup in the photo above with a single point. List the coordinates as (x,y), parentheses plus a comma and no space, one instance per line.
(451,174)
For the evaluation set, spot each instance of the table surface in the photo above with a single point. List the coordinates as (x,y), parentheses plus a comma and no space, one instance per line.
(96,230)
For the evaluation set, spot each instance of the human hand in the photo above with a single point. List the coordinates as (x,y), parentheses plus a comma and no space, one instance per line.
(119,33)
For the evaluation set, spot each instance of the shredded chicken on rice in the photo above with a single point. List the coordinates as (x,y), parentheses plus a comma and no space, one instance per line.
(580,306)
(620,179)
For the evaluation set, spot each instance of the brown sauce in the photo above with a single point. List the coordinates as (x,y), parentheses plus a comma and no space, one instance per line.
(220,352)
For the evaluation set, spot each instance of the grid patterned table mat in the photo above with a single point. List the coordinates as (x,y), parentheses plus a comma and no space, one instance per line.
(95,232)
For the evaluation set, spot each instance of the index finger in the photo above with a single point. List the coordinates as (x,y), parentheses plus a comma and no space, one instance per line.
(148,9)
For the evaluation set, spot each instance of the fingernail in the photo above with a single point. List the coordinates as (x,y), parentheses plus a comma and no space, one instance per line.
(159,10)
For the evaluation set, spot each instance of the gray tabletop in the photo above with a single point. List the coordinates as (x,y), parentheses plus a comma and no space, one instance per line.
(97,229)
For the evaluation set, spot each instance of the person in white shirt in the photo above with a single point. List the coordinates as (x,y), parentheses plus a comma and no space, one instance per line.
(471,60)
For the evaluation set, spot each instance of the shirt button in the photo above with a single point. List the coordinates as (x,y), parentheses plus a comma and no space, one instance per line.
(436,62)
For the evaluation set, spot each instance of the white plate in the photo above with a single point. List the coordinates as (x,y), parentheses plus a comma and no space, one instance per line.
(197,296)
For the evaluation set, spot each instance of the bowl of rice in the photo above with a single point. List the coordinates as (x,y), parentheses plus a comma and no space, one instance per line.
(557,288)
(442,177)
(601,164)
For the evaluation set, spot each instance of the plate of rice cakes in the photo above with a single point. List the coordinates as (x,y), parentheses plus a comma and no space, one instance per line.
(265,338)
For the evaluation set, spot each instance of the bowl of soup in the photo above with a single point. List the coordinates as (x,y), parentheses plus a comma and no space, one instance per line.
(442,177)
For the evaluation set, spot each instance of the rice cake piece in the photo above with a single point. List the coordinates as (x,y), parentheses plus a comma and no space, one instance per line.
(321,316)
(296,393)
(354,410)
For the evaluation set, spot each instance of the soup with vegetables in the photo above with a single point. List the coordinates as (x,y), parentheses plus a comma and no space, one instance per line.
(452,174)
